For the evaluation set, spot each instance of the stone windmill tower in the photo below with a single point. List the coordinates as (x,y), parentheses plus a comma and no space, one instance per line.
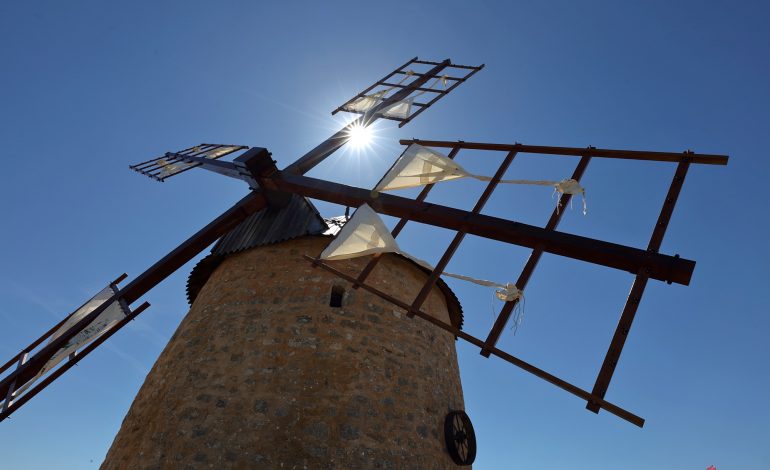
(301,348)
(279,365)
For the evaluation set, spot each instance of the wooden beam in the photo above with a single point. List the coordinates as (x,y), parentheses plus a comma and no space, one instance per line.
(637,289)
(705,159)
(662,267)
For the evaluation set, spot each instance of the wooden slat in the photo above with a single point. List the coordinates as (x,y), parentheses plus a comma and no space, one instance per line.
(705,159)
(637,289)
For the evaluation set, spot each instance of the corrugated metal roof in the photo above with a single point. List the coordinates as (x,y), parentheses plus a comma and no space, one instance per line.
(297,219)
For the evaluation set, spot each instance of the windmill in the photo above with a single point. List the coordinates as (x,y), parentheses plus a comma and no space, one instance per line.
(276,196)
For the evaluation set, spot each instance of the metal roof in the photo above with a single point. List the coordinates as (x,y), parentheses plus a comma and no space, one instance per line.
(272,225)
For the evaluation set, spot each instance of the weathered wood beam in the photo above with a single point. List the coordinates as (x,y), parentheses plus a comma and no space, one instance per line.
(661,267)
(637,289)
(705,159)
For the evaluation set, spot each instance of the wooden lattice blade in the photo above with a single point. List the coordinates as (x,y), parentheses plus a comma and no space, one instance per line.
(330,145)
(156,273)
(174,163)
(73,336)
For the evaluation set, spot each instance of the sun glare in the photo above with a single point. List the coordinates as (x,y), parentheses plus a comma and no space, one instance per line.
(360,136)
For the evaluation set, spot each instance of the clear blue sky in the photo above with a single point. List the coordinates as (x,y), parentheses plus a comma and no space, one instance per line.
(86,88)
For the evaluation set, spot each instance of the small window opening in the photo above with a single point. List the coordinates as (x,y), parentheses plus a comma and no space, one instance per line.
(338,292)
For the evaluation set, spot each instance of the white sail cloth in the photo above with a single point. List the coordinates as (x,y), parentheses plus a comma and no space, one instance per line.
(365,234)
(401,109)
(366,102)
(420,166)
(103,322)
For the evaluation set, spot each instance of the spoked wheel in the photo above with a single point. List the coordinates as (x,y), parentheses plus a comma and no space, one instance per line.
(460,438)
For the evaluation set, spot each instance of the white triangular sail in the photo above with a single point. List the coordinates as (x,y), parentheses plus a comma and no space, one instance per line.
(401,109)
(420,166)
(365,233)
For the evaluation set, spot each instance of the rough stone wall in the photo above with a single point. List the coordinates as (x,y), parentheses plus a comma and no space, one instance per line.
(263,373)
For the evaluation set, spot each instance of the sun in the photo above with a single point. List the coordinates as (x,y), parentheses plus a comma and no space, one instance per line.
(359,136)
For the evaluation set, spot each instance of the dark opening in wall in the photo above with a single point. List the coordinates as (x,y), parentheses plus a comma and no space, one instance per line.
(338,292)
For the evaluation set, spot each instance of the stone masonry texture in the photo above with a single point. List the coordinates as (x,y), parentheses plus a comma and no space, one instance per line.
(263,373)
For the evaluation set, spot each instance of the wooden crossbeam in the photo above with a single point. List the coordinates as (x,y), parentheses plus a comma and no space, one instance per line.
(399,85)
(456,66)
(662,267)
(416,74)
(637,289)
(699,158)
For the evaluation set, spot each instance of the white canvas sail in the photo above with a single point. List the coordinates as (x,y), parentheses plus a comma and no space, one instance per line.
(103,322)
(401,109)
(367,102)
(363,234)
(420,166)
